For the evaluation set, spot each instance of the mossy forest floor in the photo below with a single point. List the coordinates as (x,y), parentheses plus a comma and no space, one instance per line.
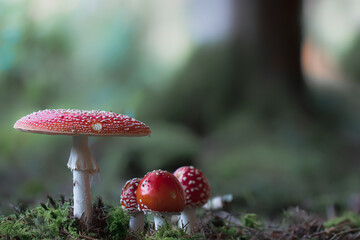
(54,220)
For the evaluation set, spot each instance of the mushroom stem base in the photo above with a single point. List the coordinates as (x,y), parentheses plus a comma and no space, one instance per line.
(187,219)
(82,196)
(160,220)
(136,222)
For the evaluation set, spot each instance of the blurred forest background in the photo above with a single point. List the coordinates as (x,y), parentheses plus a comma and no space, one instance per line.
(263,96)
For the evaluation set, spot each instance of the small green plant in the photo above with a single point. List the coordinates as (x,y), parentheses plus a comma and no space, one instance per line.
(118,223)
(251,220)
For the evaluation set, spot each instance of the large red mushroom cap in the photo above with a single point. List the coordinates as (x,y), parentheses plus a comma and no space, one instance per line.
(81,122)
(160,191)
(195,184)
(128,196)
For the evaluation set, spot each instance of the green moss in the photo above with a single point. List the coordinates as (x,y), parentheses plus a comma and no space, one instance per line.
(352,219)
(45,222)
(54,220)
(166,232)
(228,232)
(118,223)
(251,220)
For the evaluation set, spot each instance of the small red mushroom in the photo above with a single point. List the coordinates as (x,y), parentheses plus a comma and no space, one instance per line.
(197,193)
(129,204)
(81,124)
(160,192)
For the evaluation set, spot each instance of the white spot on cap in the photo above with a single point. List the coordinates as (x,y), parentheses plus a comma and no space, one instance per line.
(96,126)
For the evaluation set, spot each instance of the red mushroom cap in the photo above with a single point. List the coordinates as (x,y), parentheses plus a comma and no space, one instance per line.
(81,122)
(128,196)
(195,184)
(160,191)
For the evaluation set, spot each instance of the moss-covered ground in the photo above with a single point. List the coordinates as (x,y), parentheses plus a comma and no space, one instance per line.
(54,220)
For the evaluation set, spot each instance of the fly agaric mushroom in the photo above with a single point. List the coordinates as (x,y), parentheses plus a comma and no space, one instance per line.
(81,124)
(160,192)
(197,193)
(129,204)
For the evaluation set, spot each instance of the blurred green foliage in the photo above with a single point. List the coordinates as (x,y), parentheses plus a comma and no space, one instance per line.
(251,220)
(351,219)
(351,59)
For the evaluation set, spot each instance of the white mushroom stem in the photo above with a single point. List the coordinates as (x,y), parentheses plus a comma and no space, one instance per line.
(82,196)
(82,164)
(136,222)
(187,219)
(161,219)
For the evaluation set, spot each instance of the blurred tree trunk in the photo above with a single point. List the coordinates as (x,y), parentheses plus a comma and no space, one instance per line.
(277,80)
(258,69)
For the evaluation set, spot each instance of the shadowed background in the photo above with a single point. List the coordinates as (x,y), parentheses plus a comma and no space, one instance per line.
(263,96)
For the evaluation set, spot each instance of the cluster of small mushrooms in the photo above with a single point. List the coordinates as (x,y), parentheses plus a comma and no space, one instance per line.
(165,194)
(158,192)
